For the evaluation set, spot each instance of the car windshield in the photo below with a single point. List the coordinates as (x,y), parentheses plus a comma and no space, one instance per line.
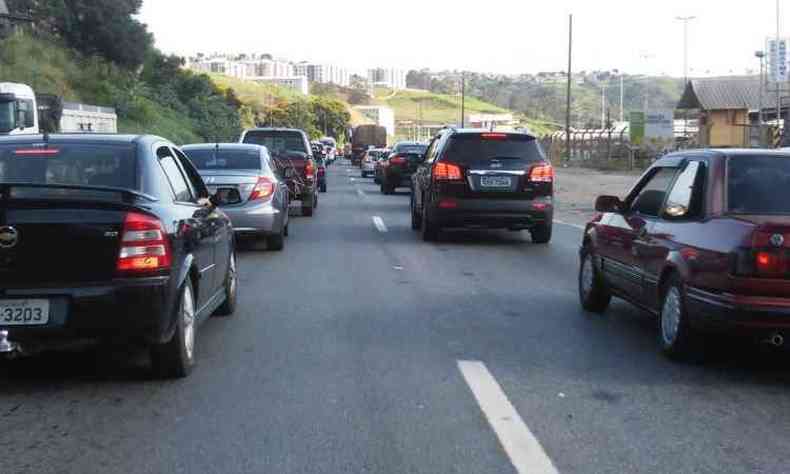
(224,159)
(69,164)
(281,144)
(7,118)
(758,185)
(467,147)
(411,149)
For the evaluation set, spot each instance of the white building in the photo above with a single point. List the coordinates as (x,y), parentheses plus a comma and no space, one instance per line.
(383,77)
(323,73)
(299,83)
(383,116)
(243,68)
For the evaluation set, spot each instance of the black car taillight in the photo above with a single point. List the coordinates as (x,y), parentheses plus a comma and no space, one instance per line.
(398,160)
(443,171)
(542,173)
(144,245)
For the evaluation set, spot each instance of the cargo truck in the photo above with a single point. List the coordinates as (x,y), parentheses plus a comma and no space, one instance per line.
(365,137)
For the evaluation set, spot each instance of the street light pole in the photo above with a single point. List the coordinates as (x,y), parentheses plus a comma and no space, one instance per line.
(685,20)
(463,99)
(568,96)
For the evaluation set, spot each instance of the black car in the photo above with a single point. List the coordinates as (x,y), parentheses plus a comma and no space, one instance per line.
(397,168)
(477,179)
(110,238)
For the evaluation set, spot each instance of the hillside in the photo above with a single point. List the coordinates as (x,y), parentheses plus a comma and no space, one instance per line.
(51,68)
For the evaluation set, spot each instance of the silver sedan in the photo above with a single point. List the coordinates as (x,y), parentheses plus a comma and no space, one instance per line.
(262,212)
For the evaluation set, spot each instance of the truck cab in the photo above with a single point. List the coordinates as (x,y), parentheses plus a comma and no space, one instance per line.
(17,109)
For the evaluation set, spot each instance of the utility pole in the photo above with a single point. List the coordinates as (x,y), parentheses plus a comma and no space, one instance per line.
(568,94)
(778,83)
(622,98)
(685,20)
(603,106)
(463,99)
(761,56)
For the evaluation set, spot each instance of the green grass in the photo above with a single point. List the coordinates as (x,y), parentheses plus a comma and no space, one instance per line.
(436,108)
(53,69)
(256,93)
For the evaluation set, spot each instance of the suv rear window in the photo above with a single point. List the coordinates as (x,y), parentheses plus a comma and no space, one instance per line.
(411,149)
(468,147)
(758,185)
(70,164)
(210,159)
(280,143)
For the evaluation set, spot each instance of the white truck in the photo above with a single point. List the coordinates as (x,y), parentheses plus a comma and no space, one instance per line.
(22,111)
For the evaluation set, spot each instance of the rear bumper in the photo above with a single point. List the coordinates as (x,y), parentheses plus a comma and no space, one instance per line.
(489,214)
(133,310)
(397,179)
(712,311)
(258,219)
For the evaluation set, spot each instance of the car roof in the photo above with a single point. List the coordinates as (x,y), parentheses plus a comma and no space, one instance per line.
(409,143)
(222,146)
(273,129)
(93,138)
(675,158)
(478,131)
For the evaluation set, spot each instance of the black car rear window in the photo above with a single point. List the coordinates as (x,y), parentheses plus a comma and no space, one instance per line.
(280,143)
(70,164)
(211,159)
(469,147)
(758,184)
(411,149)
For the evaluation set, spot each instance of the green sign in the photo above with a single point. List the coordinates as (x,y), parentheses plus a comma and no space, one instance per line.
(637,127)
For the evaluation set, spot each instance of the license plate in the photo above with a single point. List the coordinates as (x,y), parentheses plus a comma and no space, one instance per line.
(495,181)
(24,312)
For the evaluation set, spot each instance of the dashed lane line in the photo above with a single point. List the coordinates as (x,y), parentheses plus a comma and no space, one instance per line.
(379,223)
(522,447)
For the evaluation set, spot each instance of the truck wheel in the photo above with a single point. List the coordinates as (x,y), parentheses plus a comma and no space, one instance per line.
(176,358)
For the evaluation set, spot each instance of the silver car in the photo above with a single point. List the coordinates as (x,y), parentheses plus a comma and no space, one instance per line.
(372,157)
(263,210)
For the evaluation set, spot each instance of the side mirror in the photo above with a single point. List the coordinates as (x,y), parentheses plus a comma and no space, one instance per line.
(226,197)
(20,119)
(608,204)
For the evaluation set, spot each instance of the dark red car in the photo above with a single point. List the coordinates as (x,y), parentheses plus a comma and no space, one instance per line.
(702,242)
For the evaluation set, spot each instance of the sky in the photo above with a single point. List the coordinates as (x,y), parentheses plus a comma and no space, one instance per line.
(493,36)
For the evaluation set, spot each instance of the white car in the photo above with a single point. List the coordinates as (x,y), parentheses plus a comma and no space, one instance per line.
(370,159)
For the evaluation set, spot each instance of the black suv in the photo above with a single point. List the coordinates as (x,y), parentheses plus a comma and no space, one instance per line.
(397,168)
(477,179)
(110,238)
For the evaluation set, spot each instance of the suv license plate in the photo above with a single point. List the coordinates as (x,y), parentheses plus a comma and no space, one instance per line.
(24,312)
(495,182)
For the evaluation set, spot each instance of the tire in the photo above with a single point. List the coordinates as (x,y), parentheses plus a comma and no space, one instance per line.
(231,289)
(176,358)
(429,230)
(415,218)
(276,242)
(386,188)
(307,211)
(376,180)
(285,231)
(322,188)
(593,293)
(541,234)
(676,335)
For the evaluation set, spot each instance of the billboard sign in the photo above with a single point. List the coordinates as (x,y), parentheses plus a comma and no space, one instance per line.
(777,59)
(660,124)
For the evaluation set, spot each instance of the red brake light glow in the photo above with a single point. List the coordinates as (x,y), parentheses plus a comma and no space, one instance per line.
(264,189)
(144,245)
(542,173)
(37,152)
(397,160)
(494,136)
(446,172)
(309,170)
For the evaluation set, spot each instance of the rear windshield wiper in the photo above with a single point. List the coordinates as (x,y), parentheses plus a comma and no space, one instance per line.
(126,192)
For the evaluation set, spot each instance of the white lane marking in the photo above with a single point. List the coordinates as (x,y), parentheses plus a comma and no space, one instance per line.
(379,223)
(575,226)
(360,192)
(524,450)
(353,180)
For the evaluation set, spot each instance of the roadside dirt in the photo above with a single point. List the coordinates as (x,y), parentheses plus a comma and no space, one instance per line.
(577,188)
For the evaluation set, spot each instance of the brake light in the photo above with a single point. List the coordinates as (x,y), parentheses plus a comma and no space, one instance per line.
(144,245)
(542,173)
(768,263)
(37,152)
(398,160)
(309,170)
(448,204)
(494,136)
(264,189)
(446,172)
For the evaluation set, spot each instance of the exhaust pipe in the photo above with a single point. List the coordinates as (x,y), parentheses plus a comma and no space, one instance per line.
(776,340)
(6,346)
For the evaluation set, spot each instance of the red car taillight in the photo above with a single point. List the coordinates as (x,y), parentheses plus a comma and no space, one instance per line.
(264,189)
(543,173)
(398,160)
(447,172)
(309,170)
(144,245)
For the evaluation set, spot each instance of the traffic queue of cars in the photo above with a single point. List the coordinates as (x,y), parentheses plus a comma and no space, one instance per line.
(146,235)
(702,242)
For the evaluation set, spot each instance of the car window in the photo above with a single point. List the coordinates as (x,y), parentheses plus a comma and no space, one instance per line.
(465,148)
(225,159)
(651,196)
(758,185)
(280,143)
(195,182)
(430,152)
(178,182)
(686,197)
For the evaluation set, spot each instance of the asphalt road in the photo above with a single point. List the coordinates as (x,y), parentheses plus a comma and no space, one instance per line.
(346,356)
